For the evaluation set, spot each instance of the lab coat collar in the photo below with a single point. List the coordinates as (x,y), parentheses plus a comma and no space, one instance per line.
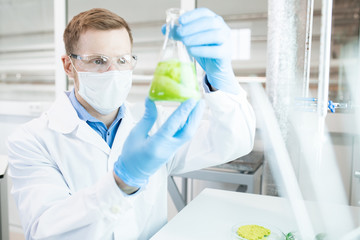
(62,115)
(63,118)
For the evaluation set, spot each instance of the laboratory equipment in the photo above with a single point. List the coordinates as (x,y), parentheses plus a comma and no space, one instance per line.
(314,173)
(175,76)
(310,104)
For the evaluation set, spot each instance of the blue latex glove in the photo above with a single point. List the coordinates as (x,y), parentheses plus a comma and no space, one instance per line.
(143,155)
(207,38)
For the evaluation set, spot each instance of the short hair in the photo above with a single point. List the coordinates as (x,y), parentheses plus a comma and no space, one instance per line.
(97,19)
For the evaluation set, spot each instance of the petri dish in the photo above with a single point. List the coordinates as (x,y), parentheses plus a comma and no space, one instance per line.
(275,233)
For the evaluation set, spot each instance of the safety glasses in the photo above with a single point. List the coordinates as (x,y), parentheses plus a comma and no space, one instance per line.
(102,63)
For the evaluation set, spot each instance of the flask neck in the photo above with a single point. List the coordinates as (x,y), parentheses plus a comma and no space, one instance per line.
(173,48)
(173,14)
(172,22)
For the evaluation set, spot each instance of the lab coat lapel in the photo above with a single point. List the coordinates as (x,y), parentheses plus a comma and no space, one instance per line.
(62,116)
(87,134)
(64,119)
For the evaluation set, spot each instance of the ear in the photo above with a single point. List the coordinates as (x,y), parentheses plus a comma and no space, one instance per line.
(68,67)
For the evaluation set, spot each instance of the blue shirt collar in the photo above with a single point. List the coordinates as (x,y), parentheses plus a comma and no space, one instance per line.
(84,115)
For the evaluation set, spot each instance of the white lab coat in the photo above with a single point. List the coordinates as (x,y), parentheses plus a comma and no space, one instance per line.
(61,170)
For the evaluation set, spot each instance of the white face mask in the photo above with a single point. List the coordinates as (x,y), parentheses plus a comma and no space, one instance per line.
(106,91)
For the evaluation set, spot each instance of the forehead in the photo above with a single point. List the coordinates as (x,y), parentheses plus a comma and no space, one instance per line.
(107,42)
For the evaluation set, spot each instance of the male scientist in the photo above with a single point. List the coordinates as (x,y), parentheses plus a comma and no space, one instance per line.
(92,167)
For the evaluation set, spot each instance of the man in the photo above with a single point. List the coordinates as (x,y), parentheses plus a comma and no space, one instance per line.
(88,168)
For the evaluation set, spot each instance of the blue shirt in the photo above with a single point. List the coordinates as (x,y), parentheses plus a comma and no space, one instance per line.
(107,134)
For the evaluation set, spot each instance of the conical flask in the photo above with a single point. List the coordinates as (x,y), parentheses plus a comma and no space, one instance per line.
(175,76)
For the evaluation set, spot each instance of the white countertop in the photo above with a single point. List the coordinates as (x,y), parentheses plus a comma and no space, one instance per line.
(213,213)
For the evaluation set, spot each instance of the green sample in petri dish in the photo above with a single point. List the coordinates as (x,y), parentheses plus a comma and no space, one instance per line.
(174,81)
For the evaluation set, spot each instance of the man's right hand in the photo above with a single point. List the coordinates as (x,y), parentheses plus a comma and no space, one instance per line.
(143,155)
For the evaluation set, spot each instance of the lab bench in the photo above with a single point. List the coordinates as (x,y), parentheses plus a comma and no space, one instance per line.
(214,213)
(245,171)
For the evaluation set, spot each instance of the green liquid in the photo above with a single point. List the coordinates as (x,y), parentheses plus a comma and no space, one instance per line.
(174,81)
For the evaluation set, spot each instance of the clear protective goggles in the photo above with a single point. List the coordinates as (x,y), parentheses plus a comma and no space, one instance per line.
(102,63)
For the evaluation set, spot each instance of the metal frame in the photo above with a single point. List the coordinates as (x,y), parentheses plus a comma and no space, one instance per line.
(251,181)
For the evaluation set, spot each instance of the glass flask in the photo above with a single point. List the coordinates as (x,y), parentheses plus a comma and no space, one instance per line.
(175,76)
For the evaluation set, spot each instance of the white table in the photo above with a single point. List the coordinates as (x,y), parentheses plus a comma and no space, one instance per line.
(212,214)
